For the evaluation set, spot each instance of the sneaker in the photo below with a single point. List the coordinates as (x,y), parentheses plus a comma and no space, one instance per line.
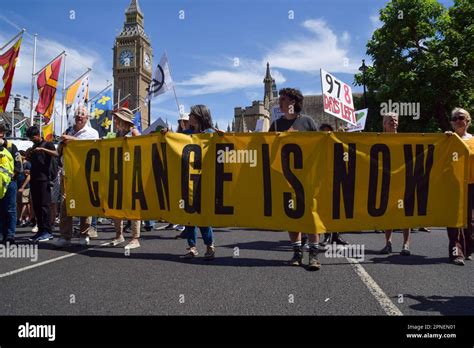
(84,241)
(134,243)
(458,261)
(313,263)
(387,249)
(469,257)
(424,229)
(92,232)
(35,237)
(210,253)
(57,221)
(148,228)
(44,237)
(116,241)
(405,251)
(340,241)
(297,259)
(327,239)
(62,243)
(34,229)
(306,247)
(191,253)
(180,228)
(25,224)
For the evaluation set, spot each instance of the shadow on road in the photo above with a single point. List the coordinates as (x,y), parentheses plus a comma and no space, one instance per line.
(261,245)
(218,261)
(456,305)
(414,260)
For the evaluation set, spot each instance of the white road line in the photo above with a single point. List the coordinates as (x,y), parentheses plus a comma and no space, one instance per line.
(49,261)
(387,305)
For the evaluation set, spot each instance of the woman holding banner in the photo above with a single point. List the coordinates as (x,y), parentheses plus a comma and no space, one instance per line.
(200,121)
(461,239)
(390,125)
(125,127)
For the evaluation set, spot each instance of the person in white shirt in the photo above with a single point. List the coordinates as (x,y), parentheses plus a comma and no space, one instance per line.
(80,131)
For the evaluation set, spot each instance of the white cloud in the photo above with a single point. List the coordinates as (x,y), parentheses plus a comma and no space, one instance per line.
(248,74)
(321,49)
(376,23)
(77,62)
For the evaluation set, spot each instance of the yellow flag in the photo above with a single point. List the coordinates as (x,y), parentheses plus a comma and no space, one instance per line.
(48,130)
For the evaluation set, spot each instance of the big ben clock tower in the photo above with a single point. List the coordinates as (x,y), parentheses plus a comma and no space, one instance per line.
(133,61)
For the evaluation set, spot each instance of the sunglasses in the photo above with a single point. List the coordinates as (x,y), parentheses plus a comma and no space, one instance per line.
(460,118)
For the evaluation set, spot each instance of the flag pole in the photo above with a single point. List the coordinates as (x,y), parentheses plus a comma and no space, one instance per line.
(63,106)
(112,125)
(52,60)
(13,39)
(33,76)
(102,91)
(80,77)
(174,90)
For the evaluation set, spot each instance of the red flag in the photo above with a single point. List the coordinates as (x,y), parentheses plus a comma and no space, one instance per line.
(47,82)
(8,63)
(125,104)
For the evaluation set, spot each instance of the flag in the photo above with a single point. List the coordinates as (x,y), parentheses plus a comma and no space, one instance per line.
(20,132)
(162,81)
(48,130)
(77,94)
(137,121)
(101,114)
(47,83)
(8,62)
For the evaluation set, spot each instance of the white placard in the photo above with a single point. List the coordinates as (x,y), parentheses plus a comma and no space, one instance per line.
(337,98)
(361,117)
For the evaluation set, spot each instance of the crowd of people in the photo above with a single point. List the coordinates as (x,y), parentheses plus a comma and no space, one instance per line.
(32,186)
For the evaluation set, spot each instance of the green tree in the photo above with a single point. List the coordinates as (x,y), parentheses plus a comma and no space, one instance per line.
(423,53)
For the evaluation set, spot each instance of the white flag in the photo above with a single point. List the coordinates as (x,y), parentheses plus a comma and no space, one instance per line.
(162,81)
(76,95)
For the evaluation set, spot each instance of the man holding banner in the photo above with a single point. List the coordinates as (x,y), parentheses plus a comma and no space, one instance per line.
(80,131)
(390,125)
(291,104)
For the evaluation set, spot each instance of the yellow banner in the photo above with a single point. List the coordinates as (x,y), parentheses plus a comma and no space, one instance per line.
(306,181)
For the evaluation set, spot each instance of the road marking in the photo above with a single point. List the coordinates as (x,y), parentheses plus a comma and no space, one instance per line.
(387,305)
(19,270)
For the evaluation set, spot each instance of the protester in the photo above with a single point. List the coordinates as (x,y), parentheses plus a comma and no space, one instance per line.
(334,237)
(10,168)
(124,126)
(291,103)
(200,121)
(390,125)
(23,196)
(79,131)
(461,242)
(42,157)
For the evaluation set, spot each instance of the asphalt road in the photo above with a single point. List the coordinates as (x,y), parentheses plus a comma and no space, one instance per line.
(154,280)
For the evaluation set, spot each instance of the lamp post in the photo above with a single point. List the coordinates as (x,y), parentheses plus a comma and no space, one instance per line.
(363,68)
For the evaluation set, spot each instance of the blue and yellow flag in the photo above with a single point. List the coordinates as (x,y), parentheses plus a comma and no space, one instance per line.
(101,113)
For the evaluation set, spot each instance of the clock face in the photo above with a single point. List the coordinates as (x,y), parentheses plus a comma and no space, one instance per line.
(147,60)
(126,57)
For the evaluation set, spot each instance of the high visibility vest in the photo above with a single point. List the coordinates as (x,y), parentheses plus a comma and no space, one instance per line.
(6,170)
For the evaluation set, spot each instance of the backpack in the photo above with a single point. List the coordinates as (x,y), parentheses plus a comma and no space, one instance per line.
(53,168)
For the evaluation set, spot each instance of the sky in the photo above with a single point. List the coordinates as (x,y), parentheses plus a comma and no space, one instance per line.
(217,52)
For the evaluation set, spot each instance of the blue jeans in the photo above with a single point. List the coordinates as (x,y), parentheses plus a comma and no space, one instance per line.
(8,212)
(206,233)
(94,222)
